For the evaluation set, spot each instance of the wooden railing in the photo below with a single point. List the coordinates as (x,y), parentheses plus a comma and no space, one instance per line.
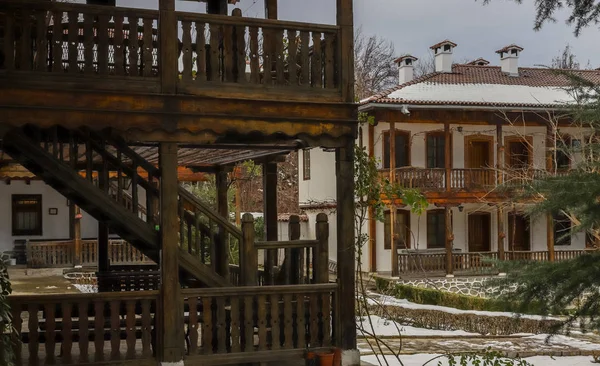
(429,179)
(62,253)
(472,179)
(423,262)
(65,38)
(542,256)
(252,320)
(83,328)
(240,54)
(252,52)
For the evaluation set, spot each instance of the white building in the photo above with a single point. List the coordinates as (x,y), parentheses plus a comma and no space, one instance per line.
(457,133)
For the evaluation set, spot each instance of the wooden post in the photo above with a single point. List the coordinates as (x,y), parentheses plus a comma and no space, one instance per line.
(345,20)
(346,322)
(221,249)
(448,156)
(372,220)
(248,255)
(168,48)
(296,257)
(499,154)
(449,240)
(550,236)
(103,254)
(171,305)
(322,262)
(270,214)
(501,233)
(76,234)
(271,9)
(394,246)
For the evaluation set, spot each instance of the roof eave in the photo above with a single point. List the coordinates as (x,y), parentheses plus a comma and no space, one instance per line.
(371,106)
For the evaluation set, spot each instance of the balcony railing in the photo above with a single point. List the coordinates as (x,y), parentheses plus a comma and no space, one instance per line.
(77,42)
(470,180)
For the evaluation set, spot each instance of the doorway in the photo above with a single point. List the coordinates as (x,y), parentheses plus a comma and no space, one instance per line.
(479,158)
(518,232)
(479,226)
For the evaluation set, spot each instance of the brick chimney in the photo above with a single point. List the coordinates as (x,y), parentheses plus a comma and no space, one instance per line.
(443,55)
(509,59)
(405,68)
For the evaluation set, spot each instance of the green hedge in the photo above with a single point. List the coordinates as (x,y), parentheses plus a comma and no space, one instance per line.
(443,298)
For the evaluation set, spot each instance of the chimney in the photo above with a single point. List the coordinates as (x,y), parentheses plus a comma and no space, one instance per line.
(479,62)
(443,55)
(509,59)
(405,68)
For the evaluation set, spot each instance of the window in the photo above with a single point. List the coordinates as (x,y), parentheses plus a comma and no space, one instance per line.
(26,214)
(563,159)
(436,150)
(519,155)
(402,230)
(306,164)
(402,149)
(562,229)
(436,229)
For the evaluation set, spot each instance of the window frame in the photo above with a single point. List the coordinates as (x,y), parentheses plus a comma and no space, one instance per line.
(38,231)
(443,136)
(386,149)
(528,141)
(442,214)
(306,164)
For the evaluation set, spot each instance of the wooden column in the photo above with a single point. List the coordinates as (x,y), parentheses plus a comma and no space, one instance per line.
(394,246)
(216,7)
(248,255)
(103,255)
(168,48)
(221,250)
(345,20)
(296,257)
(449,240)
(171,325)
(372,220)
(501,233)
(271,9)
(499,154)
(550,236)
(76,217)
(448,156)
(322,262)
(270,214)
(345,326)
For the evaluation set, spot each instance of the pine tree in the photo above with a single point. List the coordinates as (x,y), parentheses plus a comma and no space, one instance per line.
(583,13)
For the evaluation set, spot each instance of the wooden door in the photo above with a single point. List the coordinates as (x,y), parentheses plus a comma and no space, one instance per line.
(518,232)
(479,232)
(478,155)
(402,229)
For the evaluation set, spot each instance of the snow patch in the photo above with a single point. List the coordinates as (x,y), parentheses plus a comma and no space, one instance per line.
(387,328)
(421,359)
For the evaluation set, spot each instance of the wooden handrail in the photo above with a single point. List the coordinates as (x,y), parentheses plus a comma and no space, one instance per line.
(268,23)
(83,8)
(105,296)
(260,290)
(287,244)
(212,215)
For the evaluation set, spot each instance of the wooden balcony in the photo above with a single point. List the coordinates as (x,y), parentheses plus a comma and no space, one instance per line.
(116,48)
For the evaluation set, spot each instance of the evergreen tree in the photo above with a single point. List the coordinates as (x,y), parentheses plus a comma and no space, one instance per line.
(583,13)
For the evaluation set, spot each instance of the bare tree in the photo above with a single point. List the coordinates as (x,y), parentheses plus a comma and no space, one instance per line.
(565,60)
(425,65)
(374,67)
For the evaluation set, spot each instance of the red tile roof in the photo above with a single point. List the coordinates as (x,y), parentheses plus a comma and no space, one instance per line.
(465,74)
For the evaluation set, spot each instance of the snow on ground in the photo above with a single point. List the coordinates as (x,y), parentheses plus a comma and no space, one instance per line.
(565,341)
(384,327)
(86,289)
(421,359)
(390,300)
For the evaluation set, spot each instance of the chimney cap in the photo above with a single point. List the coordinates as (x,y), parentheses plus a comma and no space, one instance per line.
(479,62)
(509,48)
(443,43)
(405,57)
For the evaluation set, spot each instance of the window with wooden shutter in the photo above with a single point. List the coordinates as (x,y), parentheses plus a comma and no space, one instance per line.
(436,150)
(436,229)
(402,230)
(402,157)
(26,214)
(306,164)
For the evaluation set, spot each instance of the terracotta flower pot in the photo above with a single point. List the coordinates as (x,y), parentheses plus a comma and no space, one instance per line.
(310,359)
(326,358)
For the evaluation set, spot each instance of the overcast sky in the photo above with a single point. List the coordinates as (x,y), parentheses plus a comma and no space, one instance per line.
(414,25)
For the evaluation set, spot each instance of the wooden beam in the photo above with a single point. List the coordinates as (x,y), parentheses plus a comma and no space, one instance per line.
(168,50)
(222,248)
(394,246)
(345,19)
(345,332)
(171,316)
(501,233)
(270,215)
(449,241)
(550,236)
(448,156)
(372,219)
(271,9)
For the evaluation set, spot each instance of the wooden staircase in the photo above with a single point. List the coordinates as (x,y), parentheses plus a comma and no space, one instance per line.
(105,177)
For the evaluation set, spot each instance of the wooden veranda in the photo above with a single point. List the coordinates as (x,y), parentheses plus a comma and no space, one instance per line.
(95,96)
